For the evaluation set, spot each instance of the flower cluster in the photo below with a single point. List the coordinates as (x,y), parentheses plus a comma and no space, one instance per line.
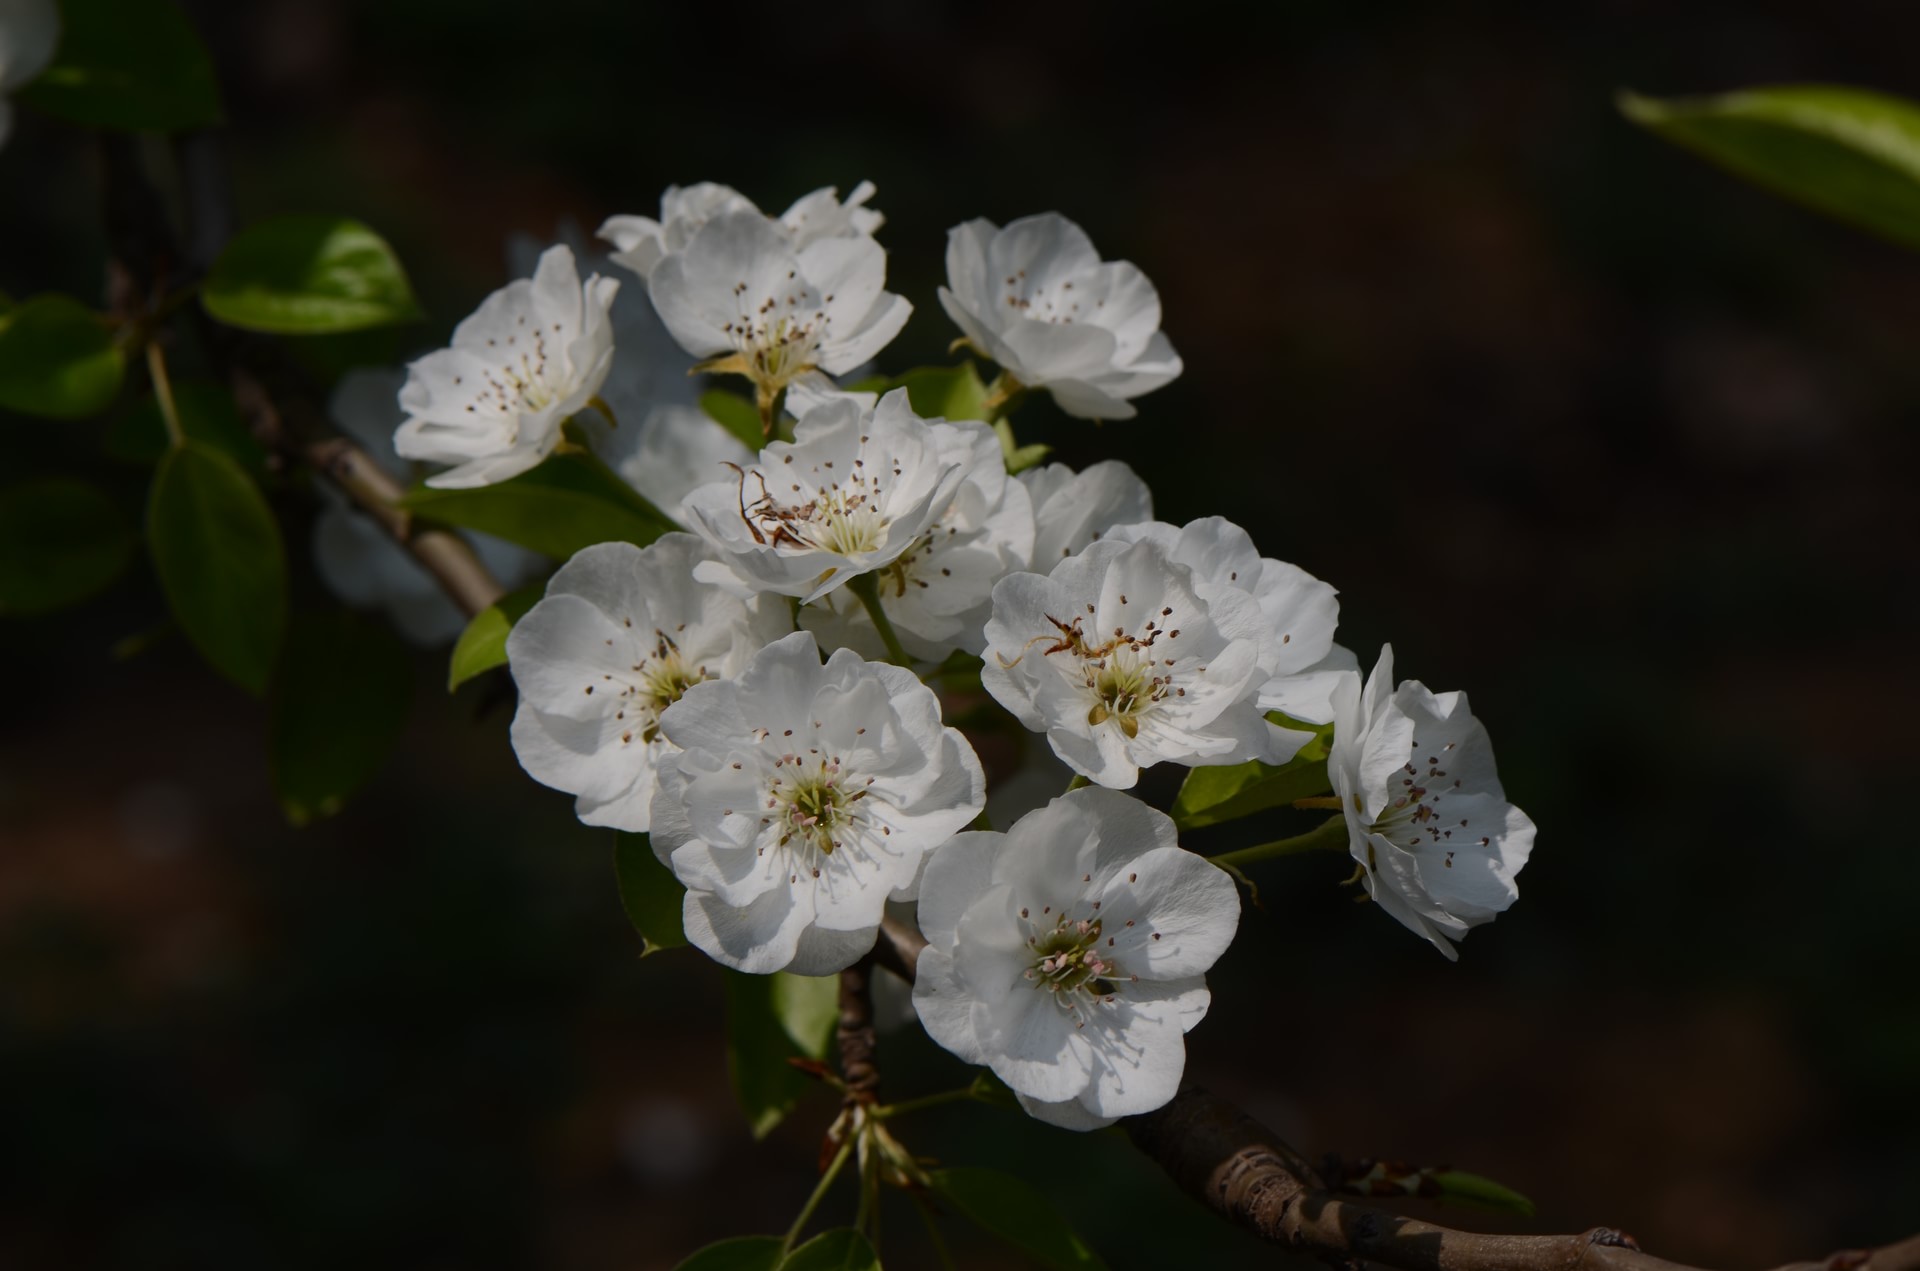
(765,694)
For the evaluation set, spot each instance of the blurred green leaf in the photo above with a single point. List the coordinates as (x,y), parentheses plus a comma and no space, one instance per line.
(735,414)
(807,1006)
(1017,1212)
(1461,1188)
(649,892)
(207,413)
(1844,151)
(57,359)
(952,392)
(308,275)
(758,1047)
(842,1249)
(1212,796)
(742,1253)
(483,645)
(1019,458)
(339,702)
(131,64)
(216,549)
(569,502)
(60,542)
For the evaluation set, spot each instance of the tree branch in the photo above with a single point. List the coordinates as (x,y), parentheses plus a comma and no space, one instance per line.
(1248,1175)
(855,1034)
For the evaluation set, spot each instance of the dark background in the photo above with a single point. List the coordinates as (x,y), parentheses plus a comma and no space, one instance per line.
(1621,446)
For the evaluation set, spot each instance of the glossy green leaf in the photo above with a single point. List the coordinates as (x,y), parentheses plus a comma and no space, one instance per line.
(569,502)
(1017,1212)
(207,413)
(339,701)
(742,1253)
(216,549)
(60,542)
(308,275)
(131,64)
(649,892)
(842,1249)
(952,392)
(758,1047)
(1211,796)
(483,645)
(807,1006)
(1844,151)
(57,359)
(736,414)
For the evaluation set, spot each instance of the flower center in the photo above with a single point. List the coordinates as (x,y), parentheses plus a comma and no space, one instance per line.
(811,802)
(1124,688)
(843,516)
(518,383)
(658,681)
(1417,817)
(1068,959)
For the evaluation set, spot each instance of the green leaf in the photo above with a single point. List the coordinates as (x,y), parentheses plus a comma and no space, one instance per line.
(842,1249)
(649,892)
(807,1006)
(735,414)
(1017,1212)
(1211,796)
(132,64)
(60,542)
(339,701)
(758,1047)
(207,413)
(483,645)
(569,502)
(57,359)
(953,392)
(1019,458)
(1461,1188)
(216,549)
(1844,151)
(742,1253)
(308,275)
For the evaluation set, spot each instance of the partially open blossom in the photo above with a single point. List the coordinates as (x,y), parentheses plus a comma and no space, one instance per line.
(1073,509)
(745,298)
(853,492)
(1036,298)
(1117,657)
(29,34)
(1298,659)
(1437,841)
(800,798)
(641,242)
(360,561)
(531,355)
(622,633)
(938,592)
(1069,955)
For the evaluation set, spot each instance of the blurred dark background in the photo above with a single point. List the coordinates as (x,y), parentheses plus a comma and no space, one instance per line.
(1621,446)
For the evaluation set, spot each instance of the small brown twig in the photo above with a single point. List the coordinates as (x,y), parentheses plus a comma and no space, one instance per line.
(855,1035)
(1248,1175)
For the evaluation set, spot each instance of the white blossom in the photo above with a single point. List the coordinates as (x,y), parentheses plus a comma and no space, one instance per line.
(1036,298)
(622,633)
(745,298)
(801,798)
(1437,842)
(1073,509)
(534,352)
(1298,659)
(29,34)
(640,242)
(853,492)
(659,441)
(1069,954)
(1120,660)
(359,561)
(938,593)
